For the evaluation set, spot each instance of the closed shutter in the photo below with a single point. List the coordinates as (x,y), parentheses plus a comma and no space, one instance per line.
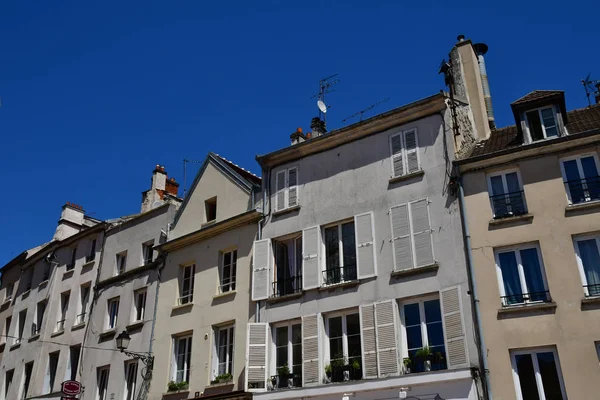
(310,258)
(397,159)
(256,356)
(421,228)
(311,370)
(412,148)
(260,270)
(401,238)
(387,346)
(369,341)
(292,187)
(365,250)
(280,194)
(456,346)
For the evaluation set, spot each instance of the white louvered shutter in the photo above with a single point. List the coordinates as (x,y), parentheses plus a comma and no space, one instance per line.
(261,257)
(310,258)
(387,342)
(401,238)
(292,187)
(412,149)
(311,368)
(280,193)
(369,341)
(454,332)
(256,356)
(397,159)
(421,228)
(365,249)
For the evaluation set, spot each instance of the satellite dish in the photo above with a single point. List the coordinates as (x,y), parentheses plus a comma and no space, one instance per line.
(322,106)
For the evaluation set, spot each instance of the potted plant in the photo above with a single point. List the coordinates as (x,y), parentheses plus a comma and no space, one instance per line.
(338,371)
(328,372)
(284,376)
(223,378)
(173,386)
(407,363)
(355,372)
(425,355)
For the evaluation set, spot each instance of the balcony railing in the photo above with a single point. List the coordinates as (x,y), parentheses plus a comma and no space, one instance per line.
(508,204)
(583,190)
(188,298)
(90,257)
(286,381)
(592,290)
(338,275)
(35,329)
(533,297)
(60,325)
(284,287)
(80,318)
(342,373)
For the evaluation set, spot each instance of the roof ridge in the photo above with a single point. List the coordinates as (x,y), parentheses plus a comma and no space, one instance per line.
(537,91)
(237,166)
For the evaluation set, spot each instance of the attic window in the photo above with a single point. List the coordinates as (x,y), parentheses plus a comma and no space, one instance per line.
(541,123)
(210,206)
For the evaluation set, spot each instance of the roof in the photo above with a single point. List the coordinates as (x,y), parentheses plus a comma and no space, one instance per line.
(243,172)
(537,95)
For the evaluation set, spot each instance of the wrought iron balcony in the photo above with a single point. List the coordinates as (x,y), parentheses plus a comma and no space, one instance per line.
(521,298)
(286,381)
(583,190)
(287,286)
(508,204)
(60,325)
(592,290)
(332,276)
(80,318)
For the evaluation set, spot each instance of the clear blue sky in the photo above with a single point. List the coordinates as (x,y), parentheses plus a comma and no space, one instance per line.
(94,95)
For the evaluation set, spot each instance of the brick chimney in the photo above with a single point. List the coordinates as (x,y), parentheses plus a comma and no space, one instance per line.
(163,190)
(171,186)
(297,136)
(318,127)
(70,222)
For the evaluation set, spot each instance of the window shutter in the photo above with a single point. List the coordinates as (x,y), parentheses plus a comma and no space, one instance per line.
(412,148)
(280,194)
(311,369)
(310,253)
(369,341)
(397,159)
(387,347)
(456,346)
(365,250)
(419,212)
(260,271)
(292,187)
(256,356)
(401,239)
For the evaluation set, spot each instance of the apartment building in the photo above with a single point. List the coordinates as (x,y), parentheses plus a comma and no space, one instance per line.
(203,304)
(359,273)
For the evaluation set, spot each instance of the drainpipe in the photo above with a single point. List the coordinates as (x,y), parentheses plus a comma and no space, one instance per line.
(487,387)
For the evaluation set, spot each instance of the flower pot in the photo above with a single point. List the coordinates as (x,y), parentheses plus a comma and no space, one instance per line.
(427,365)
(290,382)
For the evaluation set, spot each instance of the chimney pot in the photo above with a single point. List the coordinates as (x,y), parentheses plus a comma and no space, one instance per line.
(460,38)
(299,129)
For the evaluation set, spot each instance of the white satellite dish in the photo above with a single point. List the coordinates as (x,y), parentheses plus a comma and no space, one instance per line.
(322,106)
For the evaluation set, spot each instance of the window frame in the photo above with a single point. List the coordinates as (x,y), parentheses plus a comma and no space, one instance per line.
(577,158)
(232,271)
(9,294)
(52,372)
(136,310)
(290,345)
(39,317)
(539,384)
(65,299)
(327,347)
(580,265)
(323,244)
(503,174)
(229,358)
(26,379)
(209,204)
(71,373)
(404,153)
(297,276)
(21,320)
(120,263)
(109,324)
(129,387)
(147,246)
(192,282)
(91,256)
(286,189)
(186,364)
(102,384)
(83,306)
(539,112)
(73,260)
(9,376)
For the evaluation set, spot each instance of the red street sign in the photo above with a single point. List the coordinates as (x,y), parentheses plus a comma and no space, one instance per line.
(70,388)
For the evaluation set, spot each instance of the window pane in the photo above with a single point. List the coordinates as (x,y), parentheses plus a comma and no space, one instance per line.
(533,274)
(433,318)
(335,327)
(588,165)
(432,311)
(298,266)
(526,377)
(332,248)
(571,170)
(535,125)
(497,185)
(354,346)
(411,314)
(281,336)
(281,343)
(590,258)
(413,337)
(282,356)
(349,247)
(297,348)
(510,276)
(549,375)
(352,324)
(549,122)
(512,182)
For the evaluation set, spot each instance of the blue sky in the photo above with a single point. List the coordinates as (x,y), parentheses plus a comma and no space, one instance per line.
(94,94)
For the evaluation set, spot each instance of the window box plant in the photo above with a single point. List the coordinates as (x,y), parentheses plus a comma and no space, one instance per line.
(173,386)
(407,362)
(425,355)
(223,378)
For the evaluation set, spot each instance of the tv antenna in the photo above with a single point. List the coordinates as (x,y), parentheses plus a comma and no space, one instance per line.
(591,86)
(185,161)
(364,110)
(325,85)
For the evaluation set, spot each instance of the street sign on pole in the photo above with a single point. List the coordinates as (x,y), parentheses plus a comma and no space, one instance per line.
(70,388)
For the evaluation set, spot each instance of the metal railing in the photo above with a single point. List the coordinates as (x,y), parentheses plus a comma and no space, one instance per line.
(508,204)
(592,290)
(286,381)
(80,319)
(60,325)
(284,287)
(533,297)
(339,274)
(35,329)
(186,299)
(583,190)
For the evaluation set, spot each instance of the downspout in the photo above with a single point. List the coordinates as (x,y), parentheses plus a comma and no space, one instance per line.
(260,223)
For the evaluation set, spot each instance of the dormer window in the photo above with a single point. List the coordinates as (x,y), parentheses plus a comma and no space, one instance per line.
(542,123)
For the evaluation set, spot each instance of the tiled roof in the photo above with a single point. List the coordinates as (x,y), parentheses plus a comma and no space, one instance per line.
(244,173)
(537,95)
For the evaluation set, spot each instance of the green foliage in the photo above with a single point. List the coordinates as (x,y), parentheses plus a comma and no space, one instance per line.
(438,356)
(283,370)
(175,386)
(407,362)
(355,364)
(328,369)
(222,378)
(423,352)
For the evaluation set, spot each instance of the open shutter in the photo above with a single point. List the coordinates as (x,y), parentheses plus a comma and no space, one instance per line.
(401,238)
(412,150)
(280,194)
(419,212)
(260,270)
(397,159)
(311,369)
(256,356)
(387,345)
(369,341)
(365,250)
(456,346)
(310,254)
(292,187)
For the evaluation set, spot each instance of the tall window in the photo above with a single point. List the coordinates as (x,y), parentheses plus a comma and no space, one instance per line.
(340,253)
(27,372)
(21,326)
(542,123)
(9,291)
(84,298)
(73,259)
(186,288)
(210,207)
(288,266)
(183,357)
(147,252)
(288,351)
(405,153)
(587,249)
(6,328)
(537,374)
(40,310)
(8,379)
(51,372)
(27,278)
(521,275)
(286,195)
(581,178)
(140,304)
(64,307)
(113,313)
(130,379)
(422,323)
(343,334)
(120,263)
(91,252)
(74,352)
(224,351)
(102,375)
(228,271)
(506,195)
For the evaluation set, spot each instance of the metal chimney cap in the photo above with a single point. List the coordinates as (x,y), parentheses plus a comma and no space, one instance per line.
(480,48)
(460,38)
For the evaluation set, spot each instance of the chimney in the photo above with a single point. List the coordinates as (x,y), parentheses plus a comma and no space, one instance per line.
(153,197)
(70,222)
(297,136)
(171,186)
(598,93)
(318,127)
(480,50)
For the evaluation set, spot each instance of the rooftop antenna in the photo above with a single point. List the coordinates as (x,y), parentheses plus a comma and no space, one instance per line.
(185,161)
(325,85)
(364,110)
(588,85)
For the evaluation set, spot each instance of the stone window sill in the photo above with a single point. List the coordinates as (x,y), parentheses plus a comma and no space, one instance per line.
(176,392)
(68,273)
(15,346)
(406,177)
(108,332)
(590,300)
(509,220)
(340,285)
(590,205)
(525,308)
(220,384)
(286,210)
(34,337)
(284,297)
(416,271)
(134,325)
(43,284)
(88,264)
(57,333)
(225,294)
(181,306)
(78,326)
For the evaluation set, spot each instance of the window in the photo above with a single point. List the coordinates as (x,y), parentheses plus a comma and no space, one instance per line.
(121,261)
(91,256)
(588,259)
(182,357)
(8,379)
(46,275)
(404,147)
(343,333)
(521,275)
(210,207)
(102,375)
(186,288)
(228,271)
(21,326)
(422,327)
(340,253)
(506,195)
(537,375)
(71,264)
(147,252)
(140,304)
(64,307)
(84,298)
(288,266)
(10,287)
(541,123)
(224,361)
(286,182)
(581,179)
(51,372)
(130,379)
(74,352)
(40,310)
(27,372)
(411,235)
(27,278)
(113,313)
(288,353)
(6,328)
